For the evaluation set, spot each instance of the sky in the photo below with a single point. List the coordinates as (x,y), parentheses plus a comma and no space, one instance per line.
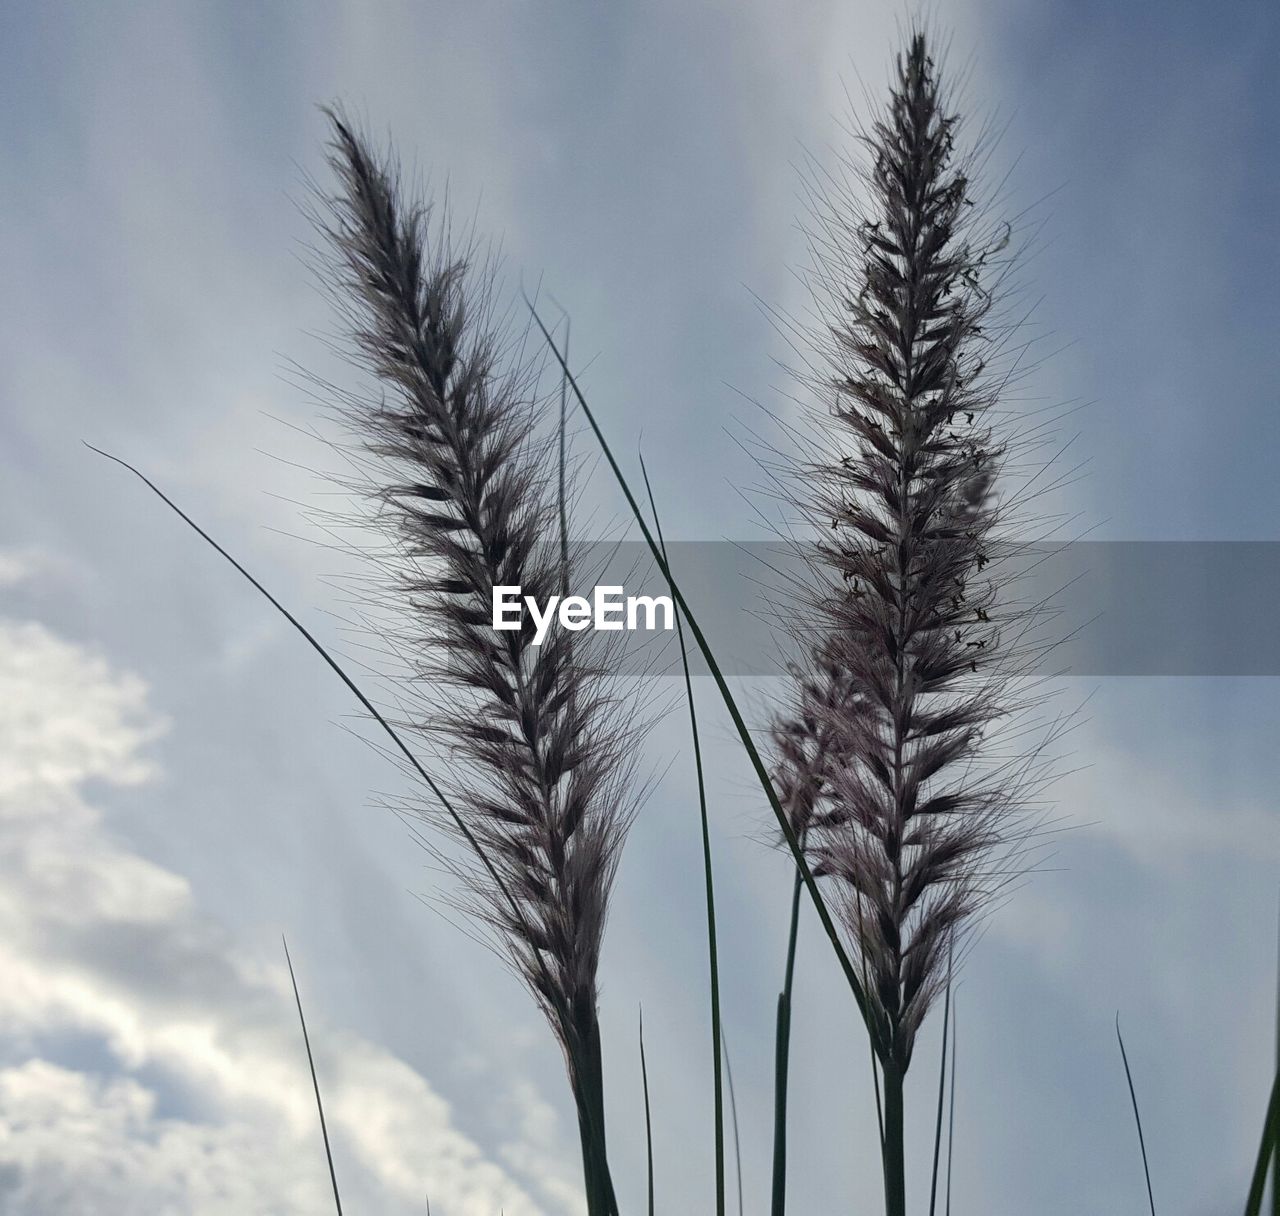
(181,782)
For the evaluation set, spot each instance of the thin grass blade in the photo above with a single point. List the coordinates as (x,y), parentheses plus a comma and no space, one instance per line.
(562,491)
(951,1115)
(733,1110)
(315,1084)
(1133,1097)
(473,843)
(942,1089)
(337,669)
(648,1121)
(739,721)
(712,947)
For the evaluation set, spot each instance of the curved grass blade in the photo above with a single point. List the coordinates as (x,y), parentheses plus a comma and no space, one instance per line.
(712,947)
(499,882)
(315,1084)
(365,703)
(1133,1097)
(648,1123)
(731,704)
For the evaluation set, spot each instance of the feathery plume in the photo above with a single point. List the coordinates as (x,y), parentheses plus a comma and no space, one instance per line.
(884,762)
(544,748)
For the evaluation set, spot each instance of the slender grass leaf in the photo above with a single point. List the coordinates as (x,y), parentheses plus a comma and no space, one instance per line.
(942,1089)
(499,882)
(712,942)
(333,664)
(648,1120)
(733,1110)
(951,1115)
(731,704)
(562,490)
(1133,1097)
(315,1084)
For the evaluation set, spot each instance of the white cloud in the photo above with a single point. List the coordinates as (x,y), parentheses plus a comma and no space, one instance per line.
(1152,813)
(17,567)
(198,1098)
(74,1143)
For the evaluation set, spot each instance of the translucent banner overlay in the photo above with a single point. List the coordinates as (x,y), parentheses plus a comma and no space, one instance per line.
(1119,608)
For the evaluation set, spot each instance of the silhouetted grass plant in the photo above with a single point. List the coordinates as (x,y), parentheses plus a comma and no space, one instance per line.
(903,769)
(888,759)
(544,747)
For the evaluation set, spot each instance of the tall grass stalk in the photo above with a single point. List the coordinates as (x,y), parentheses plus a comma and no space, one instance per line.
(913,818)
(545,747)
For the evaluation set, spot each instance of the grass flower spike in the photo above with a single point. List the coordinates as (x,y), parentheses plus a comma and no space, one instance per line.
(543,750)
(881,766)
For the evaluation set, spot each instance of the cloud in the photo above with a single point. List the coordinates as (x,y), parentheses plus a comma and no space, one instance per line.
(72,1143)
(17,567)
(1151,813)
(33,570)
(150,1062)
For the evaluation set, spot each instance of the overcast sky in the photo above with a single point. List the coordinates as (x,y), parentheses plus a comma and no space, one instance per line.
(179,780)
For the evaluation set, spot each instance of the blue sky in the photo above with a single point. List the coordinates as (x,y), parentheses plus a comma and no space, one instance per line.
(176,784)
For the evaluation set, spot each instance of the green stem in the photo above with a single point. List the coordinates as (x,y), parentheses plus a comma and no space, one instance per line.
(589,1092)
(782,1059)
(895,1184)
